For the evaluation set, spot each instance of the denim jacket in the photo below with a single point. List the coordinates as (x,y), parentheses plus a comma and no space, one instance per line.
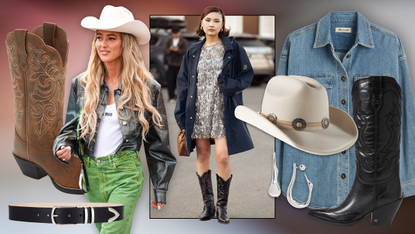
(160,160)
(337,60)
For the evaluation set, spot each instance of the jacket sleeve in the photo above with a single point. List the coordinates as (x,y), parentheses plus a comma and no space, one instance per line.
(160,160)
(182,87)
(183,46)
(283,63)
(166,48)
(243,73)
(408,124)
(67,135)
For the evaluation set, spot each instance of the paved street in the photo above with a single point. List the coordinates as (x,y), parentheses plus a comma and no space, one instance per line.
(251,171)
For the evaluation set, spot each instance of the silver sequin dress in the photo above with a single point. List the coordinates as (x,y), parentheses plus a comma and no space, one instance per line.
(209,121)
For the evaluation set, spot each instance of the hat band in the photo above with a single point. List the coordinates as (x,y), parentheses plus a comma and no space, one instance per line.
(297,124)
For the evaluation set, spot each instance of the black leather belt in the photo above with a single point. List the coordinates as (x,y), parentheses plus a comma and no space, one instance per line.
(66,213)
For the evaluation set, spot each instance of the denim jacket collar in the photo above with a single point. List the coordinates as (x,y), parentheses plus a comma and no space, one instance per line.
(363,35)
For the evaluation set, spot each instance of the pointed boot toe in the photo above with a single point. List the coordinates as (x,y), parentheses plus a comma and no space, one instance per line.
(333,217)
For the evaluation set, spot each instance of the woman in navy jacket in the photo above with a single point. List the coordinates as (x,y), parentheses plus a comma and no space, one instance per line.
(207,105)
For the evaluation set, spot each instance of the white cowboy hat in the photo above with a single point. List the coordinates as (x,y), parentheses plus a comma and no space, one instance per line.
(118,19)
(295,109)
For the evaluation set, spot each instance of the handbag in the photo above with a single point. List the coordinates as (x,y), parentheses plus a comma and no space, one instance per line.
(181,143)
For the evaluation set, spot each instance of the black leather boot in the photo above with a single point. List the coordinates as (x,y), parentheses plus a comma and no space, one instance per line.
(377,110)
(205,182)
(222,203)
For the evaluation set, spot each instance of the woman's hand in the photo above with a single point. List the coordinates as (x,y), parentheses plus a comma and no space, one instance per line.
(158,206)
(64,153)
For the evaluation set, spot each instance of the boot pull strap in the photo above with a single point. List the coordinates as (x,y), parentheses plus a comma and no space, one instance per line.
(377,93)
(49,33)
(20,35)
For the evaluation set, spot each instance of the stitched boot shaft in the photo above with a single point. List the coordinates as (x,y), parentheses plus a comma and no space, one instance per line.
(222,203)
(205,182)
(377,110)
(38,63)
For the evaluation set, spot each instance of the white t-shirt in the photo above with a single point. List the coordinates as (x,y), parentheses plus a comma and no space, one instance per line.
(175,42)
(109,135)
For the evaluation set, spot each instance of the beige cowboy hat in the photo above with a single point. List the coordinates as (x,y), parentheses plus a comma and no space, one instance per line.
(295,109)
(118,19)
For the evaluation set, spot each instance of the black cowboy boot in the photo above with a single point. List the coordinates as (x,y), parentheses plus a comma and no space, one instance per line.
(205,182)
(222,204)
(377,110)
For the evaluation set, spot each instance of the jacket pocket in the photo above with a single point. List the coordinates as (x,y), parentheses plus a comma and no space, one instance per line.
(360,76)
(326,81)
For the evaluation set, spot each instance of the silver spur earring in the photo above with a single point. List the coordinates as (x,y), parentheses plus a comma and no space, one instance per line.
(290,198)
(274,189)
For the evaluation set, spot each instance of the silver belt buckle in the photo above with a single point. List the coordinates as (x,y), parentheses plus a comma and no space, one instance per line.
(52,215)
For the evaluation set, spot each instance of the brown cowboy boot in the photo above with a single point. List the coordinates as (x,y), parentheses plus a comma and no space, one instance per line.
(38,69)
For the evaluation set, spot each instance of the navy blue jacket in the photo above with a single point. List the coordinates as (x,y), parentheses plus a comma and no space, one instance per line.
(236,75)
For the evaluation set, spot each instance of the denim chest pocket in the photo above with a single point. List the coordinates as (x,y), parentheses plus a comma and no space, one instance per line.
(360,76)
(326,81)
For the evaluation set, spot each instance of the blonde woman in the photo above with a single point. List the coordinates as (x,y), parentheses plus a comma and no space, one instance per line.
(209,87)
(115,105)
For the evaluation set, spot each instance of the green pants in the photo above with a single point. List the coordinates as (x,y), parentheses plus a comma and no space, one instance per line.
(116,178)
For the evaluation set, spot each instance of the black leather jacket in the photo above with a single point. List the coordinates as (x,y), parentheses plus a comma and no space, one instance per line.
(160,160)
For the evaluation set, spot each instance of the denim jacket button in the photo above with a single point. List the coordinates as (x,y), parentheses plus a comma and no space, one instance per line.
(348,56)
(344,152)
(124,122)
(343,78)
(343,176)
(118,92)
(343,102)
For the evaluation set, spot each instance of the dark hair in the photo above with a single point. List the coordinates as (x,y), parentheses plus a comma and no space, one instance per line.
(175,29)
(206,11)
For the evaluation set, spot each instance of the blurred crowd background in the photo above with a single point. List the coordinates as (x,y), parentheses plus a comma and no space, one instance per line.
(256,33)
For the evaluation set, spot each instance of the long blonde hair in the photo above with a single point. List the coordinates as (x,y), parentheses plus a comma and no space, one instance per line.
(136,95)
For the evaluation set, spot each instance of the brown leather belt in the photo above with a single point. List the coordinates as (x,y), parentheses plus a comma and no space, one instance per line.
(66,213)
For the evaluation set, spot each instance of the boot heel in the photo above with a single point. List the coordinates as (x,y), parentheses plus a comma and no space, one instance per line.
(383,216)
(30,169)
